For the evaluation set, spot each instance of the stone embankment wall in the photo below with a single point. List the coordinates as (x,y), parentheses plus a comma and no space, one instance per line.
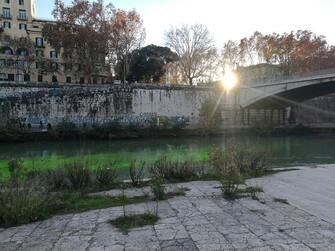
(135,105)
(142,106)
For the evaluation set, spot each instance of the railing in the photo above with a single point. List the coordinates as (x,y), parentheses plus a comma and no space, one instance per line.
(22,17)
(6,15)
(289,78)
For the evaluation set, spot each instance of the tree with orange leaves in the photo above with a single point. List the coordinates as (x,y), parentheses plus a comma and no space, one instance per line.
(128,35)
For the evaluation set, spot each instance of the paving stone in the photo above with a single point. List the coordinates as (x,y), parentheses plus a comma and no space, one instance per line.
(179,245)
(201,220)
(8,246)
(170,229)
(291,247)
(74,243)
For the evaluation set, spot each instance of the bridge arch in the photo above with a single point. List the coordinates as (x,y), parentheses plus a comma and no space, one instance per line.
(282,94)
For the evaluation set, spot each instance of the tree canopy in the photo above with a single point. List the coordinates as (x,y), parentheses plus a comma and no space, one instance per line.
(148,64)
(93,35)
(295,52)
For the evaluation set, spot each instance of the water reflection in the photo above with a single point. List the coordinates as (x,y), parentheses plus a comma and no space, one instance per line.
(284,150)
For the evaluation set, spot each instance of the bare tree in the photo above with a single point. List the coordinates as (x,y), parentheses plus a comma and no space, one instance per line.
(195,48)
(230,54)
(128,35)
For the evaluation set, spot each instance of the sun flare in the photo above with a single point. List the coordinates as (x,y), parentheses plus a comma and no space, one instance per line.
(229,79)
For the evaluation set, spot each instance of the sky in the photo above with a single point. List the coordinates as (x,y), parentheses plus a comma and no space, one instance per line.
(226,19)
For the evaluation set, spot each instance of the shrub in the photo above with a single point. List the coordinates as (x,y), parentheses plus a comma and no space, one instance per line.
(161,168)
(106,176)
(136,173)
(258,164)
(78,174)
(174,170)
(158,188)
(56,179)
(226,165)
(16,169)
(21,206)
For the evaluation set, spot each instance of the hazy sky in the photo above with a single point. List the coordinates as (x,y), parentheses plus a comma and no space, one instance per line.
(226,19)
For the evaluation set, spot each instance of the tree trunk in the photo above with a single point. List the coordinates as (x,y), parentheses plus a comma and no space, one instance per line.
(190,81)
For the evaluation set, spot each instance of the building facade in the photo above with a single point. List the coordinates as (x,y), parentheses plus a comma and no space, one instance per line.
(20,63)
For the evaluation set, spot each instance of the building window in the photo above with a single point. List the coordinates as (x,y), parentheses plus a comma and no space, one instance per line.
(21,2)
(26,78)
(95,81)
(22,15)
(38,65)
(22,26)
(3,77)
(82,80)
(68,80)
(39,42)
(6,25)
(54,79)
(39,78)
(6,13)
(7,1)
(22,52)
(53,54)
(11,77)
(6,50)
(19,77)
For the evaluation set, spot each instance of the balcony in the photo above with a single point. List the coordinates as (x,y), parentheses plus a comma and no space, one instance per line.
(6,15)
(22,17)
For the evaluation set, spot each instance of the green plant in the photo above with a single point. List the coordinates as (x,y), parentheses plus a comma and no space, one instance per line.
(176,170)
(78,174)
(32,203)
(22,205)
(258,164)
(125,223)
(106,176)
(136,173)
(57,179)
(226,165)
(16,169)
(157,185)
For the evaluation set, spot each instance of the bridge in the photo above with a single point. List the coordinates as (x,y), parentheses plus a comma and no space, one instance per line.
(287,91)
(274,100)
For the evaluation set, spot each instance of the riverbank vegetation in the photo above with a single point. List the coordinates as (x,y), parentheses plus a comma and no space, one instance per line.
(29,196)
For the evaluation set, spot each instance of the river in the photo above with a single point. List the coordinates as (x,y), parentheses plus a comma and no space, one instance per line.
(283,151)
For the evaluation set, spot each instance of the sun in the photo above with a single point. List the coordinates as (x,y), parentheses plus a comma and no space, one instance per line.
(229,79)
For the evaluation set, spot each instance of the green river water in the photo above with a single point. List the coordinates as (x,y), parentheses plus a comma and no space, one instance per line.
(284,151)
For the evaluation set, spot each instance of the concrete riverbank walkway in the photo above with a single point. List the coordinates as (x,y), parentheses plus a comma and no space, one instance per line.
(311,189)
(201,220)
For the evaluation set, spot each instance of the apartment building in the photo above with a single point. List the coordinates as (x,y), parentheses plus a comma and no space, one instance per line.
(18,19)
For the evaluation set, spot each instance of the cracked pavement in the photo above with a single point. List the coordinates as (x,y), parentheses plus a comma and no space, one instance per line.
(201,220)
